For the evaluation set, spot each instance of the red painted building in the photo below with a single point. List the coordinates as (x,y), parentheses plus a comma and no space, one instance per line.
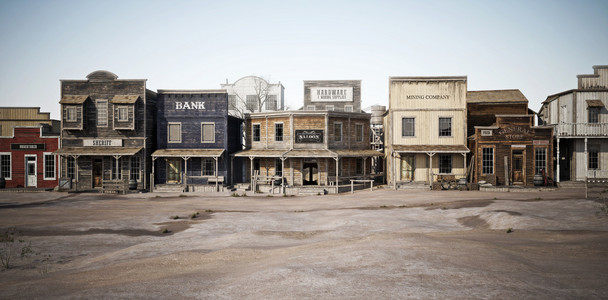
(27,159)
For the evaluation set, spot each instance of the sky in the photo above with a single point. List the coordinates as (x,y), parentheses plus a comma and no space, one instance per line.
(535,46)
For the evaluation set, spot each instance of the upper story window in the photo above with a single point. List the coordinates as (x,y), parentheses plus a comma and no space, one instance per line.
(278,132)
(338,132)
(408,127)
(311,107)
(348,108)
(102,112)
(123,114)
(208,132)
(174,133)
(232,102)
(70,114)
(329,107)
(359,132)
(251,102)
(445,126)
(594,115)
(255,135)
(271,102)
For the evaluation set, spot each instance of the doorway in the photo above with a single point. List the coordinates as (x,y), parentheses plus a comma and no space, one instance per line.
(97,173)
(407,168)
(31,178)
(174,170)
(564,163)
(310,174)
(518,167)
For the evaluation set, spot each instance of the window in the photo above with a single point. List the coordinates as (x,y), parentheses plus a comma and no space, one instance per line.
(5,165)
(311,107)
(135,167)
(208,168)
(594,159)
(256,165)
(329,107)
(487,160)
(408,127)
(232,102)
(123,114)
(116,169)
(102,113)
(278,132)
(594,115)
(445,164)
(271,102)
(70,114)
(338,132)
(445,126)
(251,102)
(208,132)
(359,166)
(174,132)
(278,167)
(255,132)
(49,166)
(540,160)
(71,167)
(348,108)
(359,132)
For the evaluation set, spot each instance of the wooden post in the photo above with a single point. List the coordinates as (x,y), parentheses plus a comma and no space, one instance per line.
(352,186)
(506,170)
(216,183)
(558,159)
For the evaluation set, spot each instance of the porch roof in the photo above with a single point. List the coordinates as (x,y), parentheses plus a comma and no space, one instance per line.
(431,148)
(260,153)
(188,153)
(357,153)
(98,151)
(310,153)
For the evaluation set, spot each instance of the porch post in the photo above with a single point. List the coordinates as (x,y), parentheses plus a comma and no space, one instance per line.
(152,175)
(216,184)
(282,174)
(394,170)
(232,170)
(464,157)
(77,171)
(337,171)
(558,159)
(586,164)
(430,174)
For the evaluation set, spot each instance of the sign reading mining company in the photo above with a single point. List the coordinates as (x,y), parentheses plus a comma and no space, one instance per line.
(328,94)
(309,136)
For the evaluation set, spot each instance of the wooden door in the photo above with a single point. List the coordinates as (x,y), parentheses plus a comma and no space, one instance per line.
(97,172)
(174,170)
(518,167)
(407,168)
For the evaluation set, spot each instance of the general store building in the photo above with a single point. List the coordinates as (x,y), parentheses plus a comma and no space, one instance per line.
(425,129)
(196,136)
(108,132)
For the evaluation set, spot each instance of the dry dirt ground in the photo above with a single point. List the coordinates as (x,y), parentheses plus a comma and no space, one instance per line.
(366,245)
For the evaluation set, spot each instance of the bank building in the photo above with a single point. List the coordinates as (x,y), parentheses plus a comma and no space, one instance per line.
(195,138)
(425,130)
(107,133)
(316,150)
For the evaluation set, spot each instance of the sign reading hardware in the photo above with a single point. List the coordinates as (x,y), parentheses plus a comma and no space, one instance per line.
(28,146)
(102,143)
(328,94)
(309,136)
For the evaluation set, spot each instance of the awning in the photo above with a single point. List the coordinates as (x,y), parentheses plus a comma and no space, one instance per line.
(124,99)
(595,103)
(98,151)
(357,153)
(431,148)
(310,153)
(260,153)
(73,99)
(188,153)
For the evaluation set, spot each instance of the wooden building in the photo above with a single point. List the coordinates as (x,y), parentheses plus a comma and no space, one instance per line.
(27,159)
(425,130)
(332,95)
(483,106)
(108,132)
(26,116)
(195,137)
(512,151)
(580,121)
(307,149)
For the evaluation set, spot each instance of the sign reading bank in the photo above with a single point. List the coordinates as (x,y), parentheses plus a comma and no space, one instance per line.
(183,105)
(327,94)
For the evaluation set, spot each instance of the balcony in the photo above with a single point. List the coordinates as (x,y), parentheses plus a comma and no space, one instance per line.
(581,130)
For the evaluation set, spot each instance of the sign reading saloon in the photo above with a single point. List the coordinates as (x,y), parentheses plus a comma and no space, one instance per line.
(328,94)
(102,143)
(309,136)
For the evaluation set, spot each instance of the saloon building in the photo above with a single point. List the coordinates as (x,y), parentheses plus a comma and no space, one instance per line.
(580,121)
(107,132)
(425,130)
(195,136)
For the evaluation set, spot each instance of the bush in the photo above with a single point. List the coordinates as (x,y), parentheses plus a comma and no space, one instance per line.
(12,245)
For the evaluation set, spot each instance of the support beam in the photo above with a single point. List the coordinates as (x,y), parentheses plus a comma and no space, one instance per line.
(216,183)
(558,161)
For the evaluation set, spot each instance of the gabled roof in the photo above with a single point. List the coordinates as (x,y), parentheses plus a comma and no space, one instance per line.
(73,99)
(496,96)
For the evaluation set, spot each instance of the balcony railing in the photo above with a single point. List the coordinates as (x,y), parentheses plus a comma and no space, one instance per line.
(581,129)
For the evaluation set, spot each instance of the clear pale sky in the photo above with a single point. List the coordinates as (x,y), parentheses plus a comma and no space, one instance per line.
(536,46)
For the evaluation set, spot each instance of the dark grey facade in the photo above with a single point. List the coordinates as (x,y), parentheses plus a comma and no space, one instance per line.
(107,131)
(336,95)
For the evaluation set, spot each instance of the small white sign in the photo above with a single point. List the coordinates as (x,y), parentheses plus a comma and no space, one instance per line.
(102,143)
(331,94)
(486,132)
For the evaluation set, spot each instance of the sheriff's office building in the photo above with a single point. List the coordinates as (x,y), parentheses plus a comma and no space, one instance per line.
(195,136)
(107,132)
(425,129)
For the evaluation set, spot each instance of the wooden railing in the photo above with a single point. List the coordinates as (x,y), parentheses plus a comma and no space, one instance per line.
(581,129)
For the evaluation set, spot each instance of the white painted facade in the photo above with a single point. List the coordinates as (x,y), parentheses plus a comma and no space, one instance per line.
(239,91)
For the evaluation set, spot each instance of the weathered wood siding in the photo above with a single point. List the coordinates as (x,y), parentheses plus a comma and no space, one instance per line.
(338,105)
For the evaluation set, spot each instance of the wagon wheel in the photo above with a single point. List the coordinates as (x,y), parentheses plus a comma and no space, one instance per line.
(445,184)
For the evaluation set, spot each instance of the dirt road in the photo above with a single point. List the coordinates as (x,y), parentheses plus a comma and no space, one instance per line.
(368,245)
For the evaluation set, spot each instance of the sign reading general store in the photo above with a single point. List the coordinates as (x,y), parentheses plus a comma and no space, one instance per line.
(324,94)
(309,136)
(102,143)
(28,146)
